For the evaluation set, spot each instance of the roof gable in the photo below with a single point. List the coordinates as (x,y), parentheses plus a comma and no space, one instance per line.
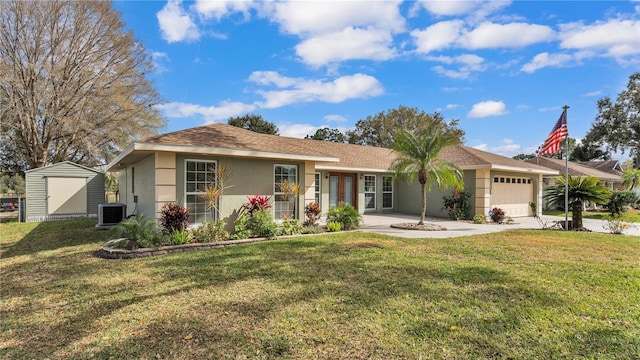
(65,163)
(575,169)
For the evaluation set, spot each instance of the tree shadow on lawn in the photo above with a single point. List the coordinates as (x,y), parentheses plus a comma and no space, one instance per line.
(67,233)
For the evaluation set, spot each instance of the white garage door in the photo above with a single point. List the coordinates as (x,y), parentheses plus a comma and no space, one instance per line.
(66,195)
(512,194)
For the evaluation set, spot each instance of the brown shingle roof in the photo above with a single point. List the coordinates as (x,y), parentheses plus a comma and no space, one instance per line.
(575,169)
(336,155)
(608,166)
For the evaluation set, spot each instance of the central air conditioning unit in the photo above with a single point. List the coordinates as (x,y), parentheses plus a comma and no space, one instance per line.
(110,215)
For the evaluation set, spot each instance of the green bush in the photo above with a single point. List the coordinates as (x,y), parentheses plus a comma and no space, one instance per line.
(210,231)
(345,214)
(479,219)
(261,224)
(290,227)
(333,226)
(457,205)
(620,201)
(312,229)
(140,231)
(241,227)
(179,237)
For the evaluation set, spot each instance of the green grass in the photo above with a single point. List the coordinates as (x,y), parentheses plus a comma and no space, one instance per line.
(629,216)
(516,294)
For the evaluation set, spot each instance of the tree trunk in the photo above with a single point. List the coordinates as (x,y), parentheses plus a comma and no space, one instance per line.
(576,215)
(424,203)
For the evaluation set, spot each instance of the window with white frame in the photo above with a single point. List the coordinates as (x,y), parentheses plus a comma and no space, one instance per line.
(370,192)
(317,188)
(199,174)
(387,192)
(284,204)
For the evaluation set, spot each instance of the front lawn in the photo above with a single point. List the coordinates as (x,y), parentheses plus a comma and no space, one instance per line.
(515,294)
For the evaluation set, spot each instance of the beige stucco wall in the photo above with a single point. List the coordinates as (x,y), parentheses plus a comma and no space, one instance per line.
(142,174)
(248,177)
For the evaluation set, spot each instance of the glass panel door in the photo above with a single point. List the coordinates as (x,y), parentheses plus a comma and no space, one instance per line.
(333,191)
(348,189)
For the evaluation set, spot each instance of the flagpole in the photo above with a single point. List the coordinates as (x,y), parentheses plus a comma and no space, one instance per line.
(566,177)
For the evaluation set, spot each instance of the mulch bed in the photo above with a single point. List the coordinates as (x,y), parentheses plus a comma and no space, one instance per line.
(416,226)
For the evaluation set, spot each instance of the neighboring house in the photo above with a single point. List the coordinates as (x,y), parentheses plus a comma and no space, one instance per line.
(62,191)
(610,180)
(174,167)
(608,166)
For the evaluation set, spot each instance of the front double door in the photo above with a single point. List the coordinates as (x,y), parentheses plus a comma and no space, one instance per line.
(342,189)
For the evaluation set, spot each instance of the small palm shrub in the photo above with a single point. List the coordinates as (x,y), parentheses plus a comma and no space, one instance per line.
(290,227)
(333,226)
(261,224)
(620,201)
(497,215)
(479,219)
(345,214)
(174,217)
(140,231)
(312,213)
(210,231)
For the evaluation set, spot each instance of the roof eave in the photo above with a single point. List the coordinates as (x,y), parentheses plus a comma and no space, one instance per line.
(207,150)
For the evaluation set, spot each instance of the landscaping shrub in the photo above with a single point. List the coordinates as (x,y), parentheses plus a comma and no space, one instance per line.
(496,215)
(179,237)
(241,228)
(173,217)
(620,201)
(210,231)
(333,226)
(140,231)
(479,219)
(261,224)
(256,202)
(345,214)
(312,214)
(457,205)
(312,229)
(615,223)
(290,227)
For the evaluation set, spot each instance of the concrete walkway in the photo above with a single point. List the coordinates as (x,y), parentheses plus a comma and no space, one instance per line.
(380,223)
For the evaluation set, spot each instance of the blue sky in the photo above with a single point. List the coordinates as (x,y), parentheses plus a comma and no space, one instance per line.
(503,68)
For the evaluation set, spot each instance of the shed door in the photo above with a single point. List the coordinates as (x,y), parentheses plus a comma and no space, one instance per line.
(66,195)
(513,195)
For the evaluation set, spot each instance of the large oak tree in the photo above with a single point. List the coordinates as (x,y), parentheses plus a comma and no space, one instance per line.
(617,124)
(73,83)
(380,129)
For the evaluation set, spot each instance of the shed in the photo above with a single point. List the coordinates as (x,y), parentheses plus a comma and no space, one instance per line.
(62,191)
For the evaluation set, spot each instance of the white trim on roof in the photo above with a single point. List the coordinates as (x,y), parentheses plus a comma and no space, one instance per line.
(208,150)
(329,167)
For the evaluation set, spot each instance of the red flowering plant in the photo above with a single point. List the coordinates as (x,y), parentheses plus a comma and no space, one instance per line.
(257,202)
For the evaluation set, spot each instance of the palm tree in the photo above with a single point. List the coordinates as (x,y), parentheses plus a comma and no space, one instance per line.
(581,190)
(418,154)
(631,179)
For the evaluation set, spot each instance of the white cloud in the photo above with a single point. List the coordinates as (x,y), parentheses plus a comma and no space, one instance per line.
(438,36)
(507,148)
(309,18)
(488,108)
(347,44)
(593,93)
(295,90)
(208,113)
(545,59)
(616,37)
(297,130)
(176,24)
(220,8)
(469,63)
(549,108)
(452,106)
(491,35)
(476,9)
(158,58)
(335,118)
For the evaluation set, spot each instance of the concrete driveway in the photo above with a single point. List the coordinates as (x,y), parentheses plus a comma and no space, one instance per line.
(380,223)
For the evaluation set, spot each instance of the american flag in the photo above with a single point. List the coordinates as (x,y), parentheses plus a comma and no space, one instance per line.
(559,132)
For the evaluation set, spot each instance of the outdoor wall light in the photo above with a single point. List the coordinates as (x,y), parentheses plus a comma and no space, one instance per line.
(361,176)
(326,176)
